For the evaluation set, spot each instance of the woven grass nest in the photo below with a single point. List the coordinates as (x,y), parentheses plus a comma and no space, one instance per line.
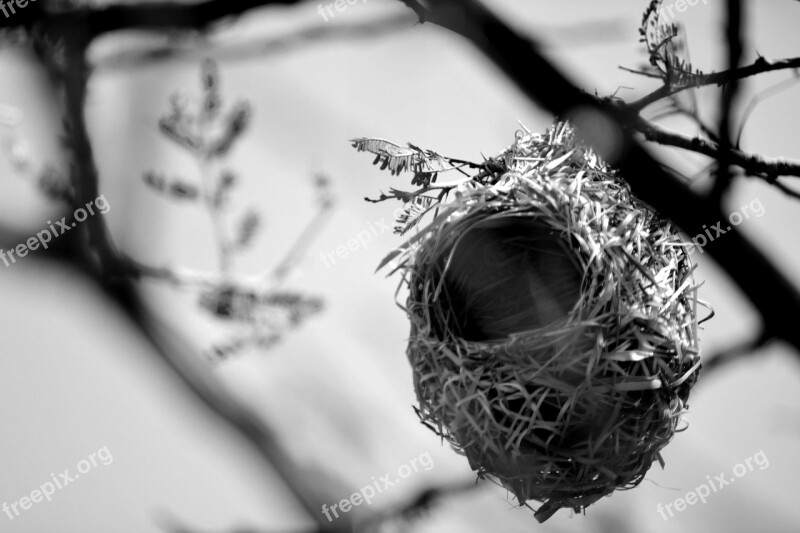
(553,325)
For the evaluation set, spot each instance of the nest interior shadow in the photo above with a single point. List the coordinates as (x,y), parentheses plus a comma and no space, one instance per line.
(506,277)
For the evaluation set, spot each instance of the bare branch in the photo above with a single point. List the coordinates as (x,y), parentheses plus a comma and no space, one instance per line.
(761,65)
(751,163)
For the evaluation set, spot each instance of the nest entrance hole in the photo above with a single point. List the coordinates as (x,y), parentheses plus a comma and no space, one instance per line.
(507,276)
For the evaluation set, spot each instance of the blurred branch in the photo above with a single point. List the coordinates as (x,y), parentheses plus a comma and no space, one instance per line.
(186,278)
(195,375)
(100,19)
(176,276)
(759,98)
(196,47)
(298,250)
(784,188)
(112,272)
(730,91)
(741,350)
(417,506)
(770,291)
(401,516)
(99,251)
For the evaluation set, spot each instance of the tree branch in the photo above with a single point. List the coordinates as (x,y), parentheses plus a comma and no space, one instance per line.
(760,66)
(99,250)
(751,163)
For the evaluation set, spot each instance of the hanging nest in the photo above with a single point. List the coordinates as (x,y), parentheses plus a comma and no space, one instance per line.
(553,324)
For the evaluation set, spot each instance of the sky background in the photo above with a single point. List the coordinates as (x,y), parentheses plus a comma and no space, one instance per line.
(74,377)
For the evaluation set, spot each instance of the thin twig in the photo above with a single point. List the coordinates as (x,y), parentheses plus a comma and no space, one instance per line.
(760,66)
(751,163)
(643,73)
(301,244)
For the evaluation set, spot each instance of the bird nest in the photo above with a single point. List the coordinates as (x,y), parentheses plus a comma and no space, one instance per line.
(573,407)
